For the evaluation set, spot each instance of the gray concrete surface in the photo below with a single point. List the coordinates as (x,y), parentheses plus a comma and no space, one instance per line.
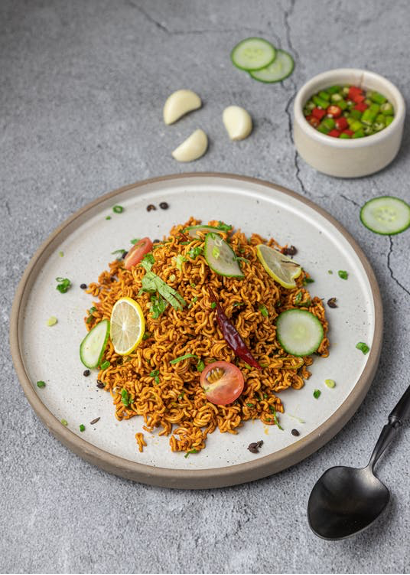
(82,84)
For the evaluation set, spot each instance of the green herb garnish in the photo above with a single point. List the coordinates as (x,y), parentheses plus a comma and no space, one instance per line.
(308,281)
(64,422)
(121,252)
(317,393)
(213,305)
(158,306)
(125,397)
(152,283)
(195,252)
(238,303)
(155,375)
(41,383)
(250,405)
(275,417)
(118,209)
(200,366)
(146,336)
(329,272)
(179,260)
(105,364)
(343,274)
(298,298)
(82,427)
(61,254)
(182,357)
(263,310)
(52,321)
(189,452)
(64,284)
(330,383)
(135,241)
(364,348)
(108,218)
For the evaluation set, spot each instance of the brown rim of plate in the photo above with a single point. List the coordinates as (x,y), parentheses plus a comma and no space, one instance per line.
(203,478)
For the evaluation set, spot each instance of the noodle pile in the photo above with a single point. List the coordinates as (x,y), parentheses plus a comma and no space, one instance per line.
(169,396)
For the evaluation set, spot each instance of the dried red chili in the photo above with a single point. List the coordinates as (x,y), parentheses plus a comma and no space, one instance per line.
(231,335)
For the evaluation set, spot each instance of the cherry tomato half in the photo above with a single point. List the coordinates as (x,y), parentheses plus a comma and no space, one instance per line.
(222,382)
(137,252)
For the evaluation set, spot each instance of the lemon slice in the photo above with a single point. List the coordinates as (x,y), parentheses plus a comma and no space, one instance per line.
(127,325)
(282,269)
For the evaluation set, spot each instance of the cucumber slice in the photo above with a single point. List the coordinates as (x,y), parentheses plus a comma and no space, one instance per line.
(386,215)
(192,230)
(253,54)
(278,70)
(93,345)
(299,332)
(221,258)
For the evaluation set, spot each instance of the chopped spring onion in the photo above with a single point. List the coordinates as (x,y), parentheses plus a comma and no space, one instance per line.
(200,366)
(82,427)
(64,284)
(343,274)
(64,422)
(41,384)
(189,452)
(155,375)
(106,364)
(61,254)
(275,417)
(330,383)
(317,393)
(363,347)
(125,397)
(118,209)
(213,305)
(263,310)
(52,321)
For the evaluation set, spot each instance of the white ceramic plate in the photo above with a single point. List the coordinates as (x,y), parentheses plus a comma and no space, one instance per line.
(87,240)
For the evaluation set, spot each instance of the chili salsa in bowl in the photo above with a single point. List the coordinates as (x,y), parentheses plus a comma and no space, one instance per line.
(348,112)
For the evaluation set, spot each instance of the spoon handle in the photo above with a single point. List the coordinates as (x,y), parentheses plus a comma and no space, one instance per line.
(396,417)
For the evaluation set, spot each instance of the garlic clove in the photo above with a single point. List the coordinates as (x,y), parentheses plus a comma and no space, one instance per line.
(192,148)
(238,122)
(180,103)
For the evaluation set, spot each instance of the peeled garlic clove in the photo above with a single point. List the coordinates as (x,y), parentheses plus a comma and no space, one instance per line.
(238,122)
(193,148)
(180,103)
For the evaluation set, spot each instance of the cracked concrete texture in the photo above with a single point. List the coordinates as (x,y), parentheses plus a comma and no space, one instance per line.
(83,84)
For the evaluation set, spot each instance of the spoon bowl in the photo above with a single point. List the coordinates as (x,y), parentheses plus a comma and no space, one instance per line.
(346,500)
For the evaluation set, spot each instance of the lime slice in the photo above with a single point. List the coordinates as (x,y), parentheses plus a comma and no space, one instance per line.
(127,325)
(282,269)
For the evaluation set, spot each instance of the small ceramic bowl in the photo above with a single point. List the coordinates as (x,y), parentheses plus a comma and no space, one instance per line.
(348,158)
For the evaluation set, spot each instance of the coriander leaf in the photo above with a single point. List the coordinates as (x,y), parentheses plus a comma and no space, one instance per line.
(155,375)
(158,306)
(135,241)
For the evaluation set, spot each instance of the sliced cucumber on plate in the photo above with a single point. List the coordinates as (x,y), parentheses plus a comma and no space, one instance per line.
(221,258)
(386,215)
(192,230)
(299,332)
(93,345)
(253,54)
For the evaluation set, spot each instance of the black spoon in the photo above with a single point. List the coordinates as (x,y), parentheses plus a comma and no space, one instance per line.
(346,500)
